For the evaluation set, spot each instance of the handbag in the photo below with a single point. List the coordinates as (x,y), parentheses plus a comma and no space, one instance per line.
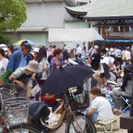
(107,125)
(123,57)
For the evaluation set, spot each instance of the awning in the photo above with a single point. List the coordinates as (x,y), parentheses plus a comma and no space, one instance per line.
(118,40)
(73,35)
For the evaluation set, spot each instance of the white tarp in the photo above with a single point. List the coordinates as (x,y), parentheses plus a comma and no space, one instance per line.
(73,35)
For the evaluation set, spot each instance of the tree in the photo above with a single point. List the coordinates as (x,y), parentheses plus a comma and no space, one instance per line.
(12,14)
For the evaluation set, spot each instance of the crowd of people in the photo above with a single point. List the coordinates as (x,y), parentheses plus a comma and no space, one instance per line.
(27,67)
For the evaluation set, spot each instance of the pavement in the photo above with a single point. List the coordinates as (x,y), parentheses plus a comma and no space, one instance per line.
(62,128)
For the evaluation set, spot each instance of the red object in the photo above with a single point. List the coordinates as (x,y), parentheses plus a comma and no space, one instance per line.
(49,101)
(107,88)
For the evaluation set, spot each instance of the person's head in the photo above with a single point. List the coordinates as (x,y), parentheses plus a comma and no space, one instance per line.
(58,53)
(96,47)
(42,54)
(26,48)
(32,67)
(95,92)
(103,51)
(2,52)
(77,45)
(71,55)
(130,61)
(54,46)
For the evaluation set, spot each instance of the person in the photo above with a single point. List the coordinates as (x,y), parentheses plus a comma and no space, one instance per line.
(78,51)
(100,107)
(56,60)
(43,66)
(125,90)
(3,61)
(35,54)
(22,75)
(64,53)
(50,101)
(95,50)
(107,63)
(94,61)
(94,79)
(20,58)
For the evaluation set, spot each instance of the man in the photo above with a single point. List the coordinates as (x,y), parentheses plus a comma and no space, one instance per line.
(94,61)
(78,51)
(20,58)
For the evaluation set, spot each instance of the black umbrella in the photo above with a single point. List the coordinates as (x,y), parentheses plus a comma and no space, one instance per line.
(62,79)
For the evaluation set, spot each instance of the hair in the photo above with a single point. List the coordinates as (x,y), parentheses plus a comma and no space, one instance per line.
(2,52)
(57,51)
(42,54)
(96,91)
(103,50)
(54,46)
(25,45)
(11,47)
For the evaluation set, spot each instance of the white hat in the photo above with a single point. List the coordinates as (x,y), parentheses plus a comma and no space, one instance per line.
(33,66)
(2,45)
(96,46)
(36,50)
(5,49)
(111,49)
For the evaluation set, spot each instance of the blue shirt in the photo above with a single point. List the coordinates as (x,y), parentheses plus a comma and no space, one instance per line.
(23,61)
(15,60)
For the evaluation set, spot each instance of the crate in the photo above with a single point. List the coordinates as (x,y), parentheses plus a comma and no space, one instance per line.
(15,110)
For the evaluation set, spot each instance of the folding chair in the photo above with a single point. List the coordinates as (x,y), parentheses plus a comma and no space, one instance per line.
(127,101)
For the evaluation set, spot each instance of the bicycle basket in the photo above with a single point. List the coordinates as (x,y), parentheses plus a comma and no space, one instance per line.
(78,100)
(15,110)
(12,90)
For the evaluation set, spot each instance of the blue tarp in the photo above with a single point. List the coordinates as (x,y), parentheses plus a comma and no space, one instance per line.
(117,40)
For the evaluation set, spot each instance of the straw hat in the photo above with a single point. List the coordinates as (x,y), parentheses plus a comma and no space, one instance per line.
(33,66)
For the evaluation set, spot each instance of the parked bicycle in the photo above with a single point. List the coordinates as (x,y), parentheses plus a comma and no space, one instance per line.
(14,110)
(72,114)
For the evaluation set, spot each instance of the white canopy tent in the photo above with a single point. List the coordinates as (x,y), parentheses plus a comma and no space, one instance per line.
(73,35)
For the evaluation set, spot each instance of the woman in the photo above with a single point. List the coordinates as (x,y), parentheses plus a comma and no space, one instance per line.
(22,75)
(3,61)
(56,60)
(125,90)
(100,107)
(43,66)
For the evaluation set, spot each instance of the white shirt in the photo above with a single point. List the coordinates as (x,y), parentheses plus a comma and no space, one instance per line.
(103,107)
(108,60)
(3,65)
(78,50)
(127,55)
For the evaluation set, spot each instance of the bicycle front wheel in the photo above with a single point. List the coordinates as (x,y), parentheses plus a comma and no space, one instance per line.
(82,124)
(22,128)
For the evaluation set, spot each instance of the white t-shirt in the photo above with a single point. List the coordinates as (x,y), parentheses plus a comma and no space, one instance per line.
(79,50)
(3,65)
(103,107)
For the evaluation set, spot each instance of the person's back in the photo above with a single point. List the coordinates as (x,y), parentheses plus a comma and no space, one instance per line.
(103,108)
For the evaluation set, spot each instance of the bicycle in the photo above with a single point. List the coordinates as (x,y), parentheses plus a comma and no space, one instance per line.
(72,114)
(14,109)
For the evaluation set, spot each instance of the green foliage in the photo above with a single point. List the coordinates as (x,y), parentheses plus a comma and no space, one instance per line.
(4,38)
(12,14)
